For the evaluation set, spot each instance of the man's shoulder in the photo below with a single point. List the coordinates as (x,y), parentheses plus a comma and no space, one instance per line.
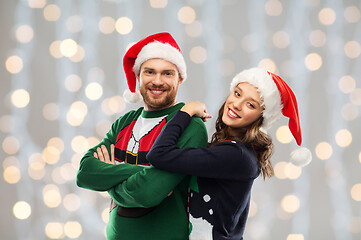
(129,116)
(133,113)
(196,128)
(197,122)
(194,135)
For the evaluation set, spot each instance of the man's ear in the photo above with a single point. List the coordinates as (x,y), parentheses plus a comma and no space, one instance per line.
(180,80)
(138,78)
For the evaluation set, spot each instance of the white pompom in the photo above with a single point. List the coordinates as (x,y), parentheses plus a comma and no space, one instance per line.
(130,97)
(301,157)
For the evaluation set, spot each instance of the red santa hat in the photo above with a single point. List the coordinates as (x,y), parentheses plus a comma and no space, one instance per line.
(277,99)
(160,45)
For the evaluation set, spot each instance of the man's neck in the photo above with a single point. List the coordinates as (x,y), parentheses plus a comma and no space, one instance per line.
(150,108)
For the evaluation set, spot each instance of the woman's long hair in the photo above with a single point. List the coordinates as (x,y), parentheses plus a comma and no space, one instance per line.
(261,142)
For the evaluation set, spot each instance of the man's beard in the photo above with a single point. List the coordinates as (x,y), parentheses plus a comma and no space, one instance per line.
(157,104)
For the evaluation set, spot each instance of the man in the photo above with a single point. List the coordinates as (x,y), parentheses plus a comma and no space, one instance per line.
(147,203)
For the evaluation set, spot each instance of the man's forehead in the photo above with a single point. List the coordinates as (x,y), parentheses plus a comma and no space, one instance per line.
(158,63)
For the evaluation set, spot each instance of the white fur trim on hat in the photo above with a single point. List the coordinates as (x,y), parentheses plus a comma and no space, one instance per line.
(268,92)
(164,51)
(130,97)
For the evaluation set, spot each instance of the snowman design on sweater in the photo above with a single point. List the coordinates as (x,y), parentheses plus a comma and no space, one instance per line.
(201,229)
(202,207)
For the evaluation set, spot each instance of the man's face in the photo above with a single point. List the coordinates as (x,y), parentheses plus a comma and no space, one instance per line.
(158,83)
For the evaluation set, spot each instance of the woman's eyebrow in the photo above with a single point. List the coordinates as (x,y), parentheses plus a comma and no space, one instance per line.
(239,89)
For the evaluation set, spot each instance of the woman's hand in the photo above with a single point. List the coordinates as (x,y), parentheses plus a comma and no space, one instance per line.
(196,109)
(103,155)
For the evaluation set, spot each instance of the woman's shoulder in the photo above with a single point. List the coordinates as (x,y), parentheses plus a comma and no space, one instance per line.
(238,148)
(237,144)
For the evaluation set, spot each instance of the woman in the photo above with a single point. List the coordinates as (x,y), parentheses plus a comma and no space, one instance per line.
(239,151)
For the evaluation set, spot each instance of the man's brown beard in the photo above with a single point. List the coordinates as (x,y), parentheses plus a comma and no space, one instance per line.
(157,104)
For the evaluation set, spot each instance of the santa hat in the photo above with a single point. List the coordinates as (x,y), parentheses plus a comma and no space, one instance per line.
(160,45)
(278,98)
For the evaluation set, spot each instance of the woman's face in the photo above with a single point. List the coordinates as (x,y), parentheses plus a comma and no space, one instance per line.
(242,107)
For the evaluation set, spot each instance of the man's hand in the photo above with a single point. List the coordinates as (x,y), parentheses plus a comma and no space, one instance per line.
(103,155)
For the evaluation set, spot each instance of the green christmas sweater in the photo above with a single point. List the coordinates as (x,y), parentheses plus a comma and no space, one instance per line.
(141,206)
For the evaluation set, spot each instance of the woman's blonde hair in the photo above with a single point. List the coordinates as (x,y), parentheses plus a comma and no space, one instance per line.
(252,135)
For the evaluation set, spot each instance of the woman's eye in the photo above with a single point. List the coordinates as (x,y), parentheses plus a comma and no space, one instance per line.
(237,93)
(251,105)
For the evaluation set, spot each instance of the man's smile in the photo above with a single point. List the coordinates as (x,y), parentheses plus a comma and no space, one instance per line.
(157,91)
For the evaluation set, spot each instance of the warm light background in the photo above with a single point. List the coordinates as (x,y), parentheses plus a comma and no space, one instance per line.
(62,83)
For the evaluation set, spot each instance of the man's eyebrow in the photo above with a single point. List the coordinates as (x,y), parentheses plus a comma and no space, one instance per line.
(148,68)
(164,70)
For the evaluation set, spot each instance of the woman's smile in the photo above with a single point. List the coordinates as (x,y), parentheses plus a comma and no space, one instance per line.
(232,114)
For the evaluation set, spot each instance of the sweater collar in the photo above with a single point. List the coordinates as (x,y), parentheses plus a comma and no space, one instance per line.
(163,112)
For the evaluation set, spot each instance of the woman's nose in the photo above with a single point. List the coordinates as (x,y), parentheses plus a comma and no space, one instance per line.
(238,105)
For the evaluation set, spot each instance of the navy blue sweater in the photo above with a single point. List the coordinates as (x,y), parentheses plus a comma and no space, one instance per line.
(225,174)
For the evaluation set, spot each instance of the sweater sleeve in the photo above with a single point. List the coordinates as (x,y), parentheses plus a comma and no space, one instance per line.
(96,175)
(150,186)
(226,160)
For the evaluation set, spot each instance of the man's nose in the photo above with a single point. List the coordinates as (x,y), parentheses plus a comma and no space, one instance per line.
(158,79)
